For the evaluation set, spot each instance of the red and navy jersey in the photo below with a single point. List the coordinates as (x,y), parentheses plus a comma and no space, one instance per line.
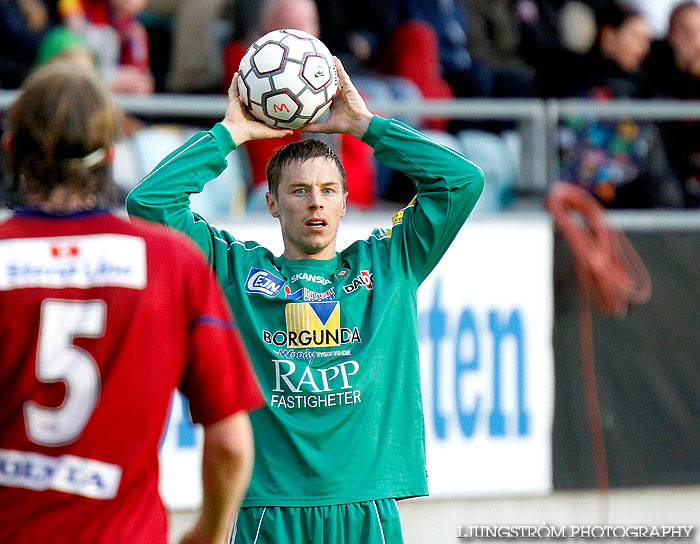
(100,319)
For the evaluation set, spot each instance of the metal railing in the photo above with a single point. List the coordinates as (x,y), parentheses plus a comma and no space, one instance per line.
(537,120)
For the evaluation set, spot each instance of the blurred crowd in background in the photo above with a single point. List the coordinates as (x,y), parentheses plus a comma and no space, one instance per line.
(401,50)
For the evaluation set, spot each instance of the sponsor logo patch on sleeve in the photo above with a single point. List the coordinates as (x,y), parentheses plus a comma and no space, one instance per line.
(263,282)
(398,216)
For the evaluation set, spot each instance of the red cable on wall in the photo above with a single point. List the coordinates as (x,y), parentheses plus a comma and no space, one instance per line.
(610,275)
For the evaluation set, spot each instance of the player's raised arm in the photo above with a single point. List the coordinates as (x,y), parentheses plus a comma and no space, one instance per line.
(348,113)
(242,125)
(163,195)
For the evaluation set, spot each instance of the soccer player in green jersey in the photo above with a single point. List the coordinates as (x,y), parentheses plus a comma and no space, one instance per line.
(332,335)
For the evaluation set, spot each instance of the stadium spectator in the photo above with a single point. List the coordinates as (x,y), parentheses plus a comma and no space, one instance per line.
(467,74)
(23,25)
(448,19)
(61,44)
(428,42)
(674,70)
(656,12)
(622,162)
(117,38)
(520,37)
(334,335)
(64,45)
(551,31)
(195,58)
(413,53)
(430,46)
(613,62)
(102,318)
(358,33)
(494,37)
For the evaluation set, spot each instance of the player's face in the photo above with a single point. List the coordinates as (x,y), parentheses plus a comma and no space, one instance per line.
(309,204)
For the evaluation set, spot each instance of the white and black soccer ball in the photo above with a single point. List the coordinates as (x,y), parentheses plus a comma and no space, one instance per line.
(287,78)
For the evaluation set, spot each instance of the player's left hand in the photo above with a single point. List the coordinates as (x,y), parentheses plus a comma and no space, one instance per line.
(348,112)
(242,125)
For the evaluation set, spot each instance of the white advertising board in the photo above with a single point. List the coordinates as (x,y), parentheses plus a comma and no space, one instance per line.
(485,318)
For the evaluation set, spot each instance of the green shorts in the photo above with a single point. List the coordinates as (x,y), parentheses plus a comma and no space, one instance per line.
(371,522)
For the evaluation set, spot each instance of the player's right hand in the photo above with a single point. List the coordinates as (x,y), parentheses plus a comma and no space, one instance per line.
(242,125)
(348,112)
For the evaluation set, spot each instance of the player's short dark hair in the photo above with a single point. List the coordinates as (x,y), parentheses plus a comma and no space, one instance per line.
(61,127)
(300,151)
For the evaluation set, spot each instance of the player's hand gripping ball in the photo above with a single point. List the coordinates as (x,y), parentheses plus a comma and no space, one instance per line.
(287,78)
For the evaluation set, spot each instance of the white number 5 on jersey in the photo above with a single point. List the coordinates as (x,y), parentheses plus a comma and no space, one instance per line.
(59,360)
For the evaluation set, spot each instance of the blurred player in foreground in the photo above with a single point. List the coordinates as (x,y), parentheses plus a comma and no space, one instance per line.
(100,319)
(333,336)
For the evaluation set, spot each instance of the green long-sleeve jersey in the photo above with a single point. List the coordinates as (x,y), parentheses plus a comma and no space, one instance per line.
(333,342)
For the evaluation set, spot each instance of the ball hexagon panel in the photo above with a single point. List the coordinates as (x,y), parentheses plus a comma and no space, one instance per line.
(310,101)
(269,58)
(289,80)
(258,87)
(280,105)
(299,49)
(316,71)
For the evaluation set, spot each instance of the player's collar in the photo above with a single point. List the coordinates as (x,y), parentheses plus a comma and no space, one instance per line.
(36,212)
(311,264)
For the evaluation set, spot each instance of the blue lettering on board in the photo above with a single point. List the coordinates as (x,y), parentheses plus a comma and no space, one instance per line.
(499,327)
